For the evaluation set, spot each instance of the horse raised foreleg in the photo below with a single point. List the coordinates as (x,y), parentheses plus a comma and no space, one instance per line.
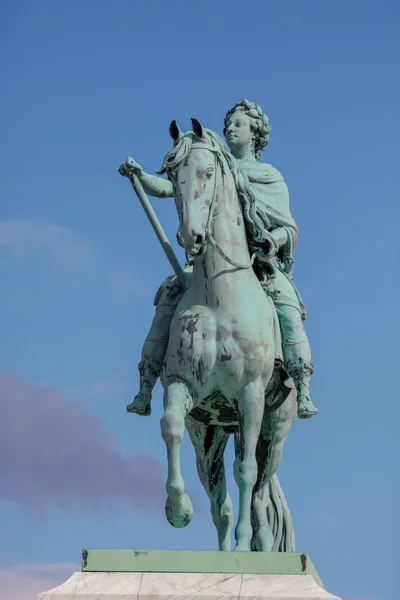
(177,405)
(250,407)
(209,442)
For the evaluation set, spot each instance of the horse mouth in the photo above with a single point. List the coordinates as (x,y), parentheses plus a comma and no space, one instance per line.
(198,251)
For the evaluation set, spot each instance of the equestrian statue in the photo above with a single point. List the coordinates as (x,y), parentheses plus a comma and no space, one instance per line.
(227,339)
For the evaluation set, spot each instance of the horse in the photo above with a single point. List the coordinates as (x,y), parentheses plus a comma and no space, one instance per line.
(220,376)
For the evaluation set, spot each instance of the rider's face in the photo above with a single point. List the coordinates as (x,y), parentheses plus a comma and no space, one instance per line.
(239,132)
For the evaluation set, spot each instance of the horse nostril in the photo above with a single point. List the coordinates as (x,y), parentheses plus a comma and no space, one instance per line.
(199,240)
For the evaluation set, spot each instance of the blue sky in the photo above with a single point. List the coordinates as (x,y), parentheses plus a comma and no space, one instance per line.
(84,84)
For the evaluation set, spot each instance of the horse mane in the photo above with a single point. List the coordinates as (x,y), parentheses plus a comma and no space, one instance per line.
(259,239)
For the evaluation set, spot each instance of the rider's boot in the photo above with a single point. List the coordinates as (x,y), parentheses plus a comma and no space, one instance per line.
(149,373)
(297,357)
(301,371)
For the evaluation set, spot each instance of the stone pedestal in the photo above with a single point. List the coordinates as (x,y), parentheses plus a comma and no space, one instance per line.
(181,575)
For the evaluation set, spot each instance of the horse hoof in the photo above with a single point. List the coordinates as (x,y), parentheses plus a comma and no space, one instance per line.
(240,549)
(179,510)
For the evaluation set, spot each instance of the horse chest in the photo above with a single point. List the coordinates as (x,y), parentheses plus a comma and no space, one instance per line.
(216,347)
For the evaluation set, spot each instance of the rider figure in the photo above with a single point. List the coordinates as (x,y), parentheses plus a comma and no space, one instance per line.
(246,129)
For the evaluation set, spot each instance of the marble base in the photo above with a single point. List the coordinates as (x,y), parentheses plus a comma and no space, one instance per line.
(187,586)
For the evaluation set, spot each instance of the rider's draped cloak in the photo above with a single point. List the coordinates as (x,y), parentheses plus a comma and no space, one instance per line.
(272,198)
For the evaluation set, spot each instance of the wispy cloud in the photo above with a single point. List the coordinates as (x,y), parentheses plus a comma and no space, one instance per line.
(57,453)
(43,241)
(23,582)
(32,239)
(96,390)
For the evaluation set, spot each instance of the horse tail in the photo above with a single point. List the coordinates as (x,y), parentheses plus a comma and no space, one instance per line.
(279,518)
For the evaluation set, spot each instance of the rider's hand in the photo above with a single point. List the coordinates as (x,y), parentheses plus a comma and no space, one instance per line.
(130,167)
(174,287)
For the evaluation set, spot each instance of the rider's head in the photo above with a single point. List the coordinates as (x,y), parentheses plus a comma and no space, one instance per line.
(246,125)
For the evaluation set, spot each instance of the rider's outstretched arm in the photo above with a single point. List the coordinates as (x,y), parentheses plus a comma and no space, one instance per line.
(152,185)
(156,186)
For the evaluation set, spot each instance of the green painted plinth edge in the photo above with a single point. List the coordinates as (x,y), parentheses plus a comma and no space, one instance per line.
(198,561)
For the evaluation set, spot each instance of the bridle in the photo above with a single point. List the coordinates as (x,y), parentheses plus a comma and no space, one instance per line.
(211,215)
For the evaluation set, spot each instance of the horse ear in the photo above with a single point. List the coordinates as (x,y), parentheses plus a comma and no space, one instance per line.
(175,132)
(197,128)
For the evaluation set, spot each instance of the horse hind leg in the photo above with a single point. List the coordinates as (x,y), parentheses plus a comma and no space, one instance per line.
(177,404)
(209,442)
(272,525)
(250,408)
(263,535)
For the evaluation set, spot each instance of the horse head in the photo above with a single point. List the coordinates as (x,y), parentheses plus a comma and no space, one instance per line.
(193,167)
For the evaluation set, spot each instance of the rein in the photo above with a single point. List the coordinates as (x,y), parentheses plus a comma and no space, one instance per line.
(208,232)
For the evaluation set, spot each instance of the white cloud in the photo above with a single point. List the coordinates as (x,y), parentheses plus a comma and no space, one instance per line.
(96,389)
(45,242)
(27,239)
(57,453)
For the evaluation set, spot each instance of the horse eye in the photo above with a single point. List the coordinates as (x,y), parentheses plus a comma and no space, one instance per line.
(209,173)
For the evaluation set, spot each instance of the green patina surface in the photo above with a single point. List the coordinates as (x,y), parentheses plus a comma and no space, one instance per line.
(227,338)
(192,561)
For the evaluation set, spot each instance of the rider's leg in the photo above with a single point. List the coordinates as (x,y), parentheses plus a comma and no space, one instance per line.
(153,353)
(155,346)
(297,357)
